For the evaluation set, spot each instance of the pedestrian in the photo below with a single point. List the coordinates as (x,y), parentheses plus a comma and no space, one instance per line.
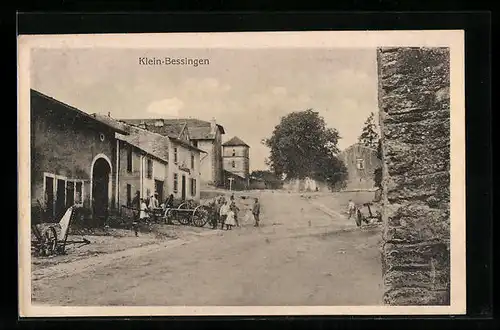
(230,220)
(351,208)
(256,212)
(224,209)
(136,206)
(214,213)
(153,202)
(235,210)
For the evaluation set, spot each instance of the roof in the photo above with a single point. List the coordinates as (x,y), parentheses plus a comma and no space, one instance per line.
(78,112)
(359,145)
(153,144)
(234,142)
(233,174)
(197,129)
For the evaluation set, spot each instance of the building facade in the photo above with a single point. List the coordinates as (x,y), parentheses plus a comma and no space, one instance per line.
(236,158)
(361,162)
(73,161)
(204,135)
(152,163)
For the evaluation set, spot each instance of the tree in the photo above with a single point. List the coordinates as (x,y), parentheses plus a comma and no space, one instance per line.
(302,146)
(270,178)
(369,136)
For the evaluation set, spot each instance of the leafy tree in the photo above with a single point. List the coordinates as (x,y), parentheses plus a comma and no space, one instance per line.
(369,136)
(302,146)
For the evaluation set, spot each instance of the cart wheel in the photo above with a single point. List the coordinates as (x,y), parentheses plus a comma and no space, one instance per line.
(200,216)
(183,218)
(50,241)
(359,218)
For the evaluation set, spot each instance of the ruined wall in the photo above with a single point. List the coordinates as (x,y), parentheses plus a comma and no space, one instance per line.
(414,109)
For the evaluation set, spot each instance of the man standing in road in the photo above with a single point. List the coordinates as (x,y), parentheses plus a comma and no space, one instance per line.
(224,209)
(256,212)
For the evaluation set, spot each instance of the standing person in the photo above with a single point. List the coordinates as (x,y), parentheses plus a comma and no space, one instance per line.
(351,209)
(256,212)
(224,209)
(153,202)
(235,210)
(230,221)
(136,207)
(214,213)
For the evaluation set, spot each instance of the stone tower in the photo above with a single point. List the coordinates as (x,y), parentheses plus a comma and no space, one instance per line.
(235,154)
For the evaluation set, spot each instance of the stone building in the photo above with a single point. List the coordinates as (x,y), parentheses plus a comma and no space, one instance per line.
(361,162)
(414,104)
(73,161)
(153,163)
(204,135)
(236,158)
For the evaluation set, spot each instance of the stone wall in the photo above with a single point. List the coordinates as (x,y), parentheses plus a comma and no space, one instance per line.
(414,106)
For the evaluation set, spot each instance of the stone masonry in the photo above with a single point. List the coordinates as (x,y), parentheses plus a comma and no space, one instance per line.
(414,104)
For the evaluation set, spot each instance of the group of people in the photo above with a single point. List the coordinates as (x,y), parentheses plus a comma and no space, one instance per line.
(146,206)
(225,213)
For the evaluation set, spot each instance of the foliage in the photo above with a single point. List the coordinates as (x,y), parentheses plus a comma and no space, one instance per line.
(369,136)
(302,146)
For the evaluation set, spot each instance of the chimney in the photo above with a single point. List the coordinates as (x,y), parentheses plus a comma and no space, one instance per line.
(109,114)
(213,125)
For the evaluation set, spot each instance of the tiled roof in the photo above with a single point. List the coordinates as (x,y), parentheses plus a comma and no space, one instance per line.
(197,129)
(235,142)
(152,143)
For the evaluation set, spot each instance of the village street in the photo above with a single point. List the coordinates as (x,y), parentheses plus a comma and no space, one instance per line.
(305,253)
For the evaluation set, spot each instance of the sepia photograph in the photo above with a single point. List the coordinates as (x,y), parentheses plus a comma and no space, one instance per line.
(242,174)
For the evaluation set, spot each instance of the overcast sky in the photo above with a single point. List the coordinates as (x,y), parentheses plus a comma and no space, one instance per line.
(247,91)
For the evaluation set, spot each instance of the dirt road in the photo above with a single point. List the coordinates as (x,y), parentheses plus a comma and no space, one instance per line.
(300,256)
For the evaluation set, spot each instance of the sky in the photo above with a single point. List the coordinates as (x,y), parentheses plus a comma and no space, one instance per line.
(246,90)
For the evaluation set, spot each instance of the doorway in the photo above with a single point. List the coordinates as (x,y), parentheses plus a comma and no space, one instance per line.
(60,199)
(159,190)
(183,188)
(100,191)
(49,198)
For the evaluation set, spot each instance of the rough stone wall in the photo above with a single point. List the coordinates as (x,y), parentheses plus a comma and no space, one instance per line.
(414,104)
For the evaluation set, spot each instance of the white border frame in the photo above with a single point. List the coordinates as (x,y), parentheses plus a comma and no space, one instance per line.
(454,39)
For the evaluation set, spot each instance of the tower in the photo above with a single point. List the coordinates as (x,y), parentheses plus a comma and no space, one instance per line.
(236,160)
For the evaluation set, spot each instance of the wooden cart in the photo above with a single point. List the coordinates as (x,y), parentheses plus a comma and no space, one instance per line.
(188,213)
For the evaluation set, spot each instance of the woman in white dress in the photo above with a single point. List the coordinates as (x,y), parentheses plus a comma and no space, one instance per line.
(230,221)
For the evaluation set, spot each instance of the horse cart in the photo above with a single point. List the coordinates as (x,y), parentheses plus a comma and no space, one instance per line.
(370,217)
(50,241)
(188,213)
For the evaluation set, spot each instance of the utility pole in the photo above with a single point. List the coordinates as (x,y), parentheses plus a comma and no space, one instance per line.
(230,183)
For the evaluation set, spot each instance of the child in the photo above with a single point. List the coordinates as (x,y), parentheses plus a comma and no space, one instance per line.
(230,222)
(351,209)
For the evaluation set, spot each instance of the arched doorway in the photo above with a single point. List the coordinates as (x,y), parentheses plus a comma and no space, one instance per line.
(100,190)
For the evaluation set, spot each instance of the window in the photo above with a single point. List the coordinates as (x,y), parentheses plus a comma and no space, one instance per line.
(360,164)
(193,187)
(195,143)
(129,159)
(234,153)
(129,195)
(233,164)
(175,156)
(149,173)
(60,193)
(192,161)
(176,182)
